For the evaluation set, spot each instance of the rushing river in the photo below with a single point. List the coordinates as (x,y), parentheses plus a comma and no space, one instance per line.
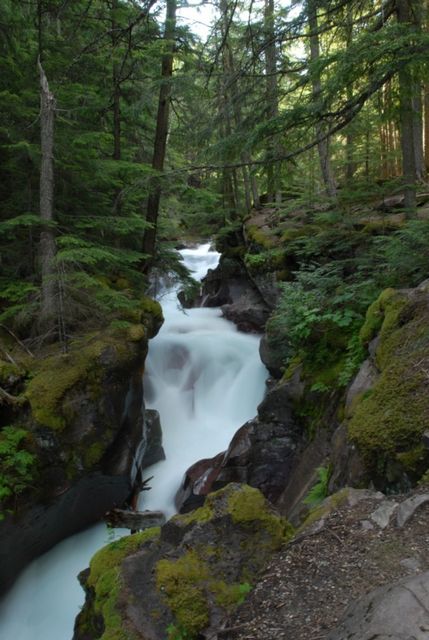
(206,379)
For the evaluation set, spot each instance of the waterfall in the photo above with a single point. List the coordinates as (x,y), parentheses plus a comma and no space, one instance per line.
(205,378)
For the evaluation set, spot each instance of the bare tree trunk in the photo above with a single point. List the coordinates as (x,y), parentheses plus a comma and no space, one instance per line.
(323,144)
(116,80)
(426,99)
(274,148)
(250,186)
(409,13)
(350,137)
(48,316)
(160,144)
(426,93)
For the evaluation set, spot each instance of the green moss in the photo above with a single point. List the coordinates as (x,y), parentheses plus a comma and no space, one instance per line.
(56,374)
(136,333)
(267,260)
(8,371)
(183,582)
(330,504)
(93,454)
(198,577)
(293,364)
(249,506)
(151,308)
(382,312)
(262,238)
(424,480)
(111,556)
(107,592)
(415,460)
(105,579)
(202,514)
(387,424)
(229,596)
(293,233)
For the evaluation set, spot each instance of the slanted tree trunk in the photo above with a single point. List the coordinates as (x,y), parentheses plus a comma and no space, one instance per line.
(47,251)
(410,109)
(323,140)
(160,144)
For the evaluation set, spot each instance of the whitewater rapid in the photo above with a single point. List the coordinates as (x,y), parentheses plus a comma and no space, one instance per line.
(205,379)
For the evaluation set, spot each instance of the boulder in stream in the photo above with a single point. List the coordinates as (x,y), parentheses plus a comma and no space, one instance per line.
(181,579)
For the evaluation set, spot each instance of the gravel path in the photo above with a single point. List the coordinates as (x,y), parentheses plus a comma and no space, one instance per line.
(305,590)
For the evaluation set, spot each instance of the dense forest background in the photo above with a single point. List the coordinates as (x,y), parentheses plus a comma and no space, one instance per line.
(123,132)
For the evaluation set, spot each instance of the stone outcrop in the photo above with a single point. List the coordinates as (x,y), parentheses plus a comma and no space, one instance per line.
(85,425)
(387,407)
(244,300)
(182,579)
(261,454)
(396,611)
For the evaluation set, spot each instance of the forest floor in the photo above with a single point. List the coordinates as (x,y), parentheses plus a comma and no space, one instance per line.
(307,587)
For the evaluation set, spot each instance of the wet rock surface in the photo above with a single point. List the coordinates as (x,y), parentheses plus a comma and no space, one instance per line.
(244,301)
(260,454)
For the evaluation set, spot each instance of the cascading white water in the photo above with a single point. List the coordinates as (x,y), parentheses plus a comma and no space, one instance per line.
(206,379)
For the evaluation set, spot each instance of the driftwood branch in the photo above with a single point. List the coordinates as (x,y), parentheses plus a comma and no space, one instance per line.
(7,398)
(134,520)
(21,344)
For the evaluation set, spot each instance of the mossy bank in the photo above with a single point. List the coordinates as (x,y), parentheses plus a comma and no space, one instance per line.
(389,418)
(82,415)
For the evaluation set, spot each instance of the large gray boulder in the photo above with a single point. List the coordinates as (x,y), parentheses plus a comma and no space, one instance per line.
(393,612)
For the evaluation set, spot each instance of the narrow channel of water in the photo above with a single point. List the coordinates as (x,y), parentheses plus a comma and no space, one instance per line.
(206,379)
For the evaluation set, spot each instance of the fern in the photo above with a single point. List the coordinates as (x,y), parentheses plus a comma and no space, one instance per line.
(17,465)
(319,491)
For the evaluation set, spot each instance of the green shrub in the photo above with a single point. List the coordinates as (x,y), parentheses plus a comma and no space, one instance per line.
(16,462)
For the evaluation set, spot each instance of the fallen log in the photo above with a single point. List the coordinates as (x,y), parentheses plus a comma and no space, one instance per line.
(134,520)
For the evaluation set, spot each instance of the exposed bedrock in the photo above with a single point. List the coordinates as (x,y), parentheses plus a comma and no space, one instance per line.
(262,454)
(245,300)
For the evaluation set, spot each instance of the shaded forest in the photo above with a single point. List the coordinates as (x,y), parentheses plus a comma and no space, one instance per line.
(123,132)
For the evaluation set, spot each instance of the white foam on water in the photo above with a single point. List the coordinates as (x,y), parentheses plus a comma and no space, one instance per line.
(205,379)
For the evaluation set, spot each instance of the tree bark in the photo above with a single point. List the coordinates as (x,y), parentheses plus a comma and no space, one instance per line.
(426,100)
(273,170)
(323,141)
(48,312)
(409,13)
(250,186)
(426,94)
(161,131)
(350,137)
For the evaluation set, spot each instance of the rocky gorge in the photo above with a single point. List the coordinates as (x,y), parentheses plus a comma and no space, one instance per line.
(279,454)
(250,555)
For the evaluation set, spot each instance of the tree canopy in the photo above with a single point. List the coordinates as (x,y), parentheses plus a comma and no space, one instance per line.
(159,135)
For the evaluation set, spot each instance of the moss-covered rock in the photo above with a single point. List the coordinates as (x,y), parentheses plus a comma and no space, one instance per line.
(181,583)
(86,364)
(388,421)
(83,411)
